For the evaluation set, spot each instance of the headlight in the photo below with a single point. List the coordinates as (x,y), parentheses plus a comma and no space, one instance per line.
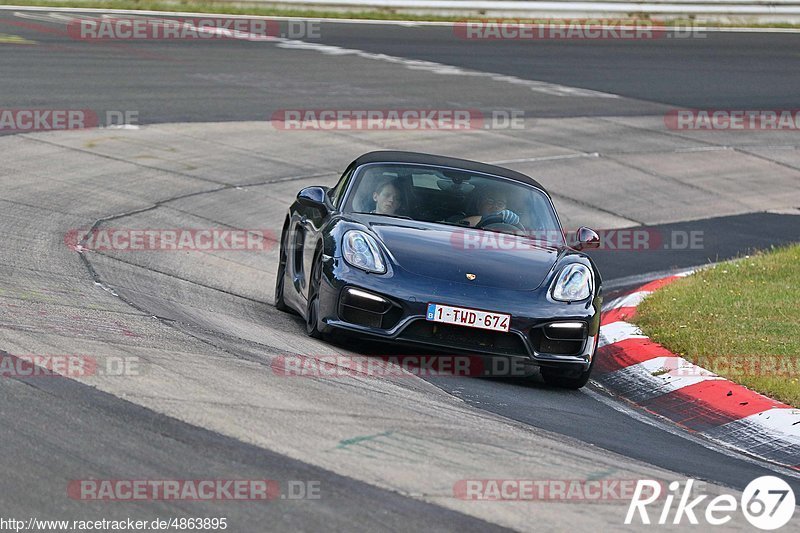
(361,251)
(573,283)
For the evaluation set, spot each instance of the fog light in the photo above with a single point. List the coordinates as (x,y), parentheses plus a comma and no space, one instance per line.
(362,294)
(573,331)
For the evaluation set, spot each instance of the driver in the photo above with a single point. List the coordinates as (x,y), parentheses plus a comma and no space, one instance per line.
(492,210)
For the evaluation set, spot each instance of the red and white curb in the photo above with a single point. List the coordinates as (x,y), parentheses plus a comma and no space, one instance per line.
(647,374)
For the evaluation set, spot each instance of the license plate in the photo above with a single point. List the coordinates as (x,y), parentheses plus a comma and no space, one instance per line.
(463,316)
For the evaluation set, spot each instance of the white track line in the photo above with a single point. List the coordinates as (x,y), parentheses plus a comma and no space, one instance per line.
(551,89)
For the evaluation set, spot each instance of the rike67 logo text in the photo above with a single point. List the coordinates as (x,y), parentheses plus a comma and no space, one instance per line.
(767,502)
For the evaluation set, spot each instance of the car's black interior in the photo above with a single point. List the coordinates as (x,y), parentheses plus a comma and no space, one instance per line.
(433,195)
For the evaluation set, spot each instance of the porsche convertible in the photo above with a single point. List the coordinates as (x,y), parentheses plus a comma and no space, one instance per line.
(443,253)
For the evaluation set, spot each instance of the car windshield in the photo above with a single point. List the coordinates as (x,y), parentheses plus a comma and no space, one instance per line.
(456,197)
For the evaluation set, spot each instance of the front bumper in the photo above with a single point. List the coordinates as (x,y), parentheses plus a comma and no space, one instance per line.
(408,295)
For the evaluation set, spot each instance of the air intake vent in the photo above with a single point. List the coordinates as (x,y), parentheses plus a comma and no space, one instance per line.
(368,309)
(559,338)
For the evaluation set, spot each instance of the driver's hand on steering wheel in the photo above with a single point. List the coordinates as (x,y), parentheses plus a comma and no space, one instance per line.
(506,216)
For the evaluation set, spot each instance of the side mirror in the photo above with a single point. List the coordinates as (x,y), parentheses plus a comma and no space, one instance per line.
(314,197)
(587,238)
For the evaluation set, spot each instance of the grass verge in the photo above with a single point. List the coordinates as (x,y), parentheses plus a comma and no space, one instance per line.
(739,319)
(202,6)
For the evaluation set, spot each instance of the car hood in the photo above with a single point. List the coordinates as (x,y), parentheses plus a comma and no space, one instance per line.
(450,253)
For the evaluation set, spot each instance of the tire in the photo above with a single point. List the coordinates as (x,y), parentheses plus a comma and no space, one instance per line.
(312,309)
(280,303)
(565,379)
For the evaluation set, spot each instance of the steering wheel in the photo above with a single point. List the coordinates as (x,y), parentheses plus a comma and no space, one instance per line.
(444,215)
(502,227)
(497,225)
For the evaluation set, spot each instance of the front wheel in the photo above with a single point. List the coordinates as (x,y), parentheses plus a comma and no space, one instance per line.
(312,309)
(280,303)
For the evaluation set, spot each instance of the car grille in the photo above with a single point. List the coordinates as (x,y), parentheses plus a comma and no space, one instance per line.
(464,338)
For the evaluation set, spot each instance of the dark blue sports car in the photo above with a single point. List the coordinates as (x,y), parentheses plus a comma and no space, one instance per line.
(446,253)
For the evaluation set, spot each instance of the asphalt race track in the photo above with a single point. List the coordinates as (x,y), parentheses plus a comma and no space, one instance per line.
(206,402)
(196,81)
